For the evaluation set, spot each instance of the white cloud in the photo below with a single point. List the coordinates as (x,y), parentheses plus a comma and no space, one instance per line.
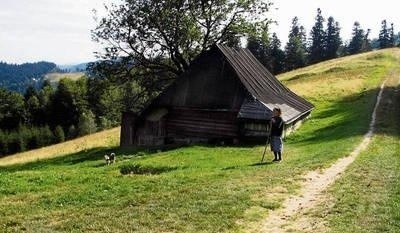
(57,31)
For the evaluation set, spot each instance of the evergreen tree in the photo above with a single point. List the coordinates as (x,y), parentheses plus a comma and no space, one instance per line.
(59,134)
(366,45)
(277,55)
(295,49)
(30,92)
(260,47)
(12,109)
(392,36)
(86,123)
(33,110)
(72,132)
(358,39)
(46,96)
(45,137)
(333,41)
(316,49)
(69,102)
(385,36)
(3,143)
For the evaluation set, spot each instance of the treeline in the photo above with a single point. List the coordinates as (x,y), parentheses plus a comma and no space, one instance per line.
(324,43)
(19,77)
(51,115)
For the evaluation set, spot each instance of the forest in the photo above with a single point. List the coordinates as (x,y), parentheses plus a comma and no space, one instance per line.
(18,77)
(49,115)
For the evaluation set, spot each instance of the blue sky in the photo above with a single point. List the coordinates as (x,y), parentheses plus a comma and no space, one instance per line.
(59,30)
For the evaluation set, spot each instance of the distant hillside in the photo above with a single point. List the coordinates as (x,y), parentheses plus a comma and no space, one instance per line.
(55,77)
(18,77)
(74,68)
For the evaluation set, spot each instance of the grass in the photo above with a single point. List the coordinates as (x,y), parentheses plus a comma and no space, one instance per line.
(366,198)
(107,138)
(202,188)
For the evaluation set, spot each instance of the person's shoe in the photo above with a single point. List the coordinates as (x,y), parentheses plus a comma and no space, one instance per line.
(275,160)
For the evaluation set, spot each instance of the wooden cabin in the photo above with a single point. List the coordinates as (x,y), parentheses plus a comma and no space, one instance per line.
(226,95)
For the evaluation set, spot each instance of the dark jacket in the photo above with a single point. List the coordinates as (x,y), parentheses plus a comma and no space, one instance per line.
(276,126)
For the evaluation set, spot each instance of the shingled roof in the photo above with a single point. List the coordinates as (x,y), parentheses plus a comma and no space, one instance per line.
(264,87)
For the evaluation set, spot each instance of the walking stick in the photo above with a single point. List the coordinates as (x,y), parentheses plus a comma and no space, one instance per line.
(265,149)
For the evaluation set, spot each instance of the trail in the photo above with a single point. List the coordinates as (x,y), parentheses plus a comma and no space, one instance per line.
(313,187)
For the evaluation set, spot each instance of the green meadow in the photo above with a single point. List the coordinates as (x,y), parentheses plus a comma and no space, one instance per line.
(212,188)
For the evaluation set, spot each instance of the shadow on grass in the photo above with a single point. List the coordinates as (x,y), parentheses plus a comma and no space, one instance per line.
(93,154)
(353,115)
(261,164)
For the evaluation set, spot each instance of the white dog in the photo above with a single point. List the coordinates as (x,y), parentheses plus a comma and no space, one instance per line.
(110,158)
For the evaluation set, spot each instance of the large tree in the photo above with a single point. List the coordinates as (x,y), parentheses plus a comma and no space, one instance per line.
(259,46)
(385,34)
(316,49)
(158,39)
(295,49)
(277,55)
(359,41)
(333,40)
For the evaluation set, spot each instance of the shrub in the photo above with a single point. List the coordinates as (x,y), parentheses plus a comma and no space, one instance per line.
(139,169)
(3,143)
(86,123)
(59,134)
(72,132)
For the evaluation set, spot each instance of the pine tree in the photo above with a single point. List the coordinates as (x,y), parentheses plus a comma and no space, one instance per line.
(317,39)
(86,123)
(384,36)
(366,45)
(59,134)
(358,39)
(72,132)
(332,39)
(295,49)
(258,49)
(277,55)
(259,46)
(392,36)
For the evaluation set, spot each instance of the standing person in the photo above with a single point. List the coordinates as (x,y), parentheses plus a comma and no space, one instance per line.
(276,134)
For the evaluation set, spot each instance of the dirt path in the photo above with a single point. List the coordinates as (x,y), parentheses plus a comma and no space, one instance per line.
(291,217)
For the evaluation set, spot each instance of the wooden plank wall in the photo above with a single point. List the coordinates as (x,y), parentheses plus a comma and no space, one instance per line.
(202,123)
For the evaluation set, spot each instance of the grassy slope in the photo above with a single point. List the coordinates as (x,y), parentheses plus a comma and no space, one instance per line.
(213,189)
(104,139)
(366,198)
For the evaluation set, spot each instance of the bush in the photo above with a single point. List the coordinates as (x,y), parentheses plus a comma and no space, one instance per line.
(3,143)
(139,169)
(86,123)
(59,134)
(15,143)
(72,132)
(45,136)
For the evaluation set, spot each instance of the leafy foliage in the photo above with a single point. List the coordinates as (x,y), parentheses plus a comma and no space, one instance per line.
(152,42)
